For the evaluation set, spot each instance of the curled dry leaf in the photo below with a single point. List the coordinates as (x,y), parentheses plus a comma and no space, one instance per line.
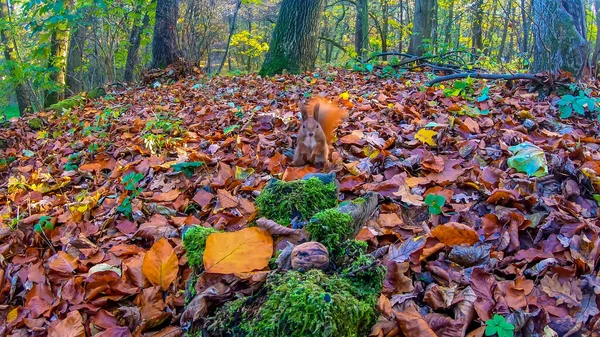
(412,323)
(71,326)
(274,228)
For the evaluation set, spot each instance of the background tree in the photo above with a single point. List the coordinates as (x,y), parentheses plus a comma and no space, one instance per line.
(294,43)
(422,26)
(164,44)
(57,58)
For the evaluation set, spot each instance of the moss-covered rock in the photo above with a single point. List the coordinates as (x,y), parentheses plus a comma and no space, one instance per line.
(35,123)
(330,227)
(67,104)
(283,201)
(194,242)
(301,304)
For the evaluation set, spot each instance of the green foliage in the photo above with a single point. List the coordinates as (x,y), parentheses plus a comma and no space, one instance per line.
(130,182)
(8,112)
(161,132)
(282,201)
(461,88)
(529,159)
(435,203)
(597,198)
(67,104)
(499,326)
(43,224)
(330,227)
(309,304)
(188,168)
(194,242)
(579,104)
(366,275)
(35,123)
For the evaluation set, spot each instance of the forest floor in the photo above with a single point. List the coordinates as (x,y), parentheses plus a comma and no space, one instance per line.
(76,223)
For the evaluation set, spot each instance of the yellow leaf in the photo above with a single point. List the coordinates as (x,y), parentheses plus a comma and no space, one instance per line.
(12,315)
(345,96)
(426,136)
(238,252)
(160,265)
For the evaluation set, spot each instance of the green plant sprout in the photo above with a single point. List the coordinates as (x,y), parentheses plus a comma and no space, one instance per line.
(435,203)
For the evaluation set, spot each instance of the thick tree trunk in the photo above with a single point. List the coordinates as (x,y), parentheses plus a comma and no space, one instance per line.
(231,30)
(75,61)
(11,57)
(422,26)
(135,38)
(505,30)
(560,37)
(477,38)
(294,43)
(361,28)
(164,43)
(448,28)
(597,46)
(59,46)
(526,25)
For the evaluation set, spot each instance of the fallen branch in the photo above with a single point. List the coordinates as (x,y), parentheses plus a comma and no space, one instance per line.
(507,77)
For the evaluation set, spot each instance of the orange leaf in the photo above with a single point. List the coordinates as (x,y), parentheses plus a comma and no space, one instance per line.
(389,220)
(71,326)
(295,173)
(237,252)
(168,196)
(226,199)
(412,324)
(384,305)
(63,263)
(160,265)
(454,234)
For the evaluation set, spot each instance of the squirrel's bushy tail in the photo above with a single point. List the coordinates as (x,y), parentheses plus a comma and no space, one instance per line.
(329,116)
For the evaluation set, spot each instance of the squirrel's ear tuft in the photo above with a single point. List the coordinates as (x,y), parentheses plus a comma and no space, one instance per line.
(316,111)
(303,111)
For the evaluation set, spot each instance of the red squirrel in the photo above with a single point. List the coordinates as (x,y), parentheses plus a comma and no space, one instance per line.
(319,121)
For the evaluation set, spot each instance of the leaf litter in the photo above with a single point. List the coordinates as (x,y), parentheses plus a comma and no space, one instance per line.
(516,246)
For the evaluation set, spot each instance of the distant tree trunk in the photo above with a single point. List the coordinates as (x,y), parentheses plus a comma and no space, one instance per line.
(526,24)
(164,43)
(385,27)
(135,38)
(560,36)
(361,28)
(401,32)
(59,45)
(10,54)
(231,30)
(75,61)
(477,38)
(434,28)
(422,25)
(294,43)
(448,28)
(597,46)
(505,30)
(489,34)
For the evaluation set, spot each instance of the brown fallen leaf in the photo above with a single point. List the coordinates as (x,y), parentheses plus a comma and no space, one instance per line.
(226,199)
(454,234)
(63,263)
(412,323)
(274,228)
(160,265)
(71,326)
(237,252)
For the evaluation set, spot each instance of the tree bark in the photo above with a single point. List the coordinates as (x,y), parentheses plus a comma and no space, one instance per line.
(526,24)
(74,79)
(507,14)
(361,28)
(231,30)
(57,61)
(164,43)
(477,38)
(560,36)
(10,54)
(597,46)
(448,28)
(422,25)
(385,27)
(294,43)
(135,38)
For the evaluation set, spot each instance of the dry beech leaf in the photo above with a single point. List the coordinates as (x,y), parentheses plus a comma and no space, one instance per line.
(160,265)
(454,234)
(237,252)
(71,326)
(63,263)
(412,324)
(274,228)
(226,199)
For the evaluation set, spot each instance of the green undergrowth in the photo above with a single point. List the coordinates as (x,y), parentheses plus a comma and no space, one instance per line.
(194,242)
(300,304)
(330,227)
(283,201)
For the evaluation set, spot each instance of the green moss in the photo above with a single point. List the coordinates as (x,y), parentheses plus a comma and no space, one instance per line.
(367,281)
(35,123)
(194,242)
(311,304)
(96,93)
(330,227)
(67,104)
(282,201)
(349,251)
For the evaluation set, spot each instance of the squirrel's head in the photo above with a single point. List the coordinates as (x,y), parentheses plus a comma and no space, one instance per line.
(310,121)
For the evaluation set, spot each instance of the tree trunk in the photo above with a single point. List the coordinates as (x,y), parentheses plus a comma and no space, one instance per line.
(385,27)
(164,43)
(135,38)
(477,38)
(294,43)
(560,36)
(231,30)
(75,61)
(505,30)
(448,28)
(526,24)
(597,46)
(11,57)
(422,25)
(59,46)
(361,29)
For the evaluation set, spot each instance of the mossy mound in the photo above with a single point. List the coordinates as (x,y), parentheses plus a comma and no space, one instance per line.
(67,104)
(330,227)
(194,242)
(283,201)
(95,93)
(300,304)
(35,123)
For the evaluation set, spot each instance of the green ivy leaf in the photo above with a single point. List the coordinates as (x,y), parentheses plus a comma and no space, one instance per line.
(565,111)
(578,106)
(230,128)
(37,228)
(187,168)
(499,326)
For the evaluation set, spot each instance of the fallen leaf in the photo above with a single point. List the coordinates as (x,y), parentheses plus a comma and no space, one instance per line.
(454,234)
(412,323)
(226,199)
(426,136)
(529,159)
(237,252)
(71,326)
(63,263)
(160,265)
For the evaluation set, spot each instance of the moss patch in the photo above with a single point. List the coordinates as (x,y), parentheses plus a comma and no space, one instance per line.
(330,227)
(308,304)
(67,104)
(96,93)
(194,242)
(35,123)
(282,201)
